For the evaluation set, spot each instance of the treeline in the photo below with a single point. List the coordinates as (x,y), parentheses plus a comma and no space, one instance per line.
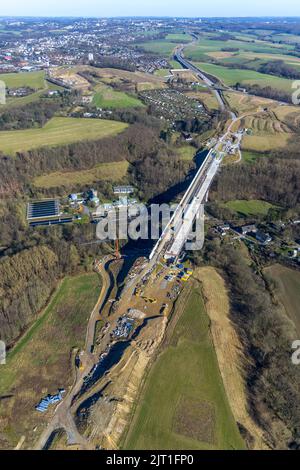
(113,63)
(280,69)
(276,180)
(274,67)
(34,114)
(31,115)
(267,335)
(194,125)
(267,92)
(26,282)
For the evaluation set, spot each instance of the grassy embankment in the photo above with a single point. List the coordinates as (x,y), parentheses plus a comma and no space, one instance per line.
(106,97)
(249,208)
(114,171)
(287,290)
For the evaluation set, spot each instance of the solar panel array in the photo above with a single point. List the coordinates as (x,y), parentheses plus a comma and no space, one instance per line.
(50,221)
(43,209)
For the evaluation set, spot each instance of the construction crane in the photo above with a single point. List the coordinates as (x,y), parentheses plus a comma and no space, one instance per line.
(117,251)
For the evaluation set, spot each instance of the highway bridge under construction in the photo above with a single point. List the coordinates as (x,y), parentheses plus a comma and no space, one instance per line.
(177,231)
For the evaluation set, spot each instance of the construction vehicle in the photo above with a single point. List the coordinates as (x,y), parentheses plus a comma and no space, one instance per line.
(164,309)
(137,292)
(150,300)
(117,250)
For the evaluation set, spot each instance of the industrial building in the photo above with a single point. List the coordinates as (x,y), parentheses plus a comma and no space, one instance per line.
(46,212)
(123,189)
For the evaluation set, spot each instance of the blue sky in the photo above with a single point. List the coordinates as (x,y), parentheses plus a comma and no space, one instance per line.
(100,8)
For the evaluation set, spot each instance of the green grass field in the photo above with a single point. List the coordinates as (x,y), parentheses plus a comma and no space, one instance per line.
(179,37)
(187,152)
(162,72)
(183,404)
(34,80)
(287,290)
(58,131)
(249,208)
(196,50)
(162,47)
(175,65)
(251,157)
(114,171)
(40,362)
(247,77)
(245,56)
(107,97)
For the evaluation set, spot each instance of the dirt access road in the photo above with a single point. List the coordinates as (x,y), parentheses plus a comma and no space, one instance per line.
(62,417)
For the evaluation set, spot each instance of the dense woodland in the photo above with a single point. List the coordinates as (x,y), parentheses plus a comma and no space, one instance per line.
(267,92)
(279,68)
(257,181)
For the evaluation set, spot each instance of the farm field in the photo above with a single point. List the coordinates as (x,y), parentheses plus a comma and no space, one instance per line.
(179,37)
(249,208)
(196,50)
(245,77)
(183,404)
(253,59)
(107,97)
(287,290)
(134,80)
(34,80)
(58,131)
(265,143)
(162,47)
(114,171)
(40,363)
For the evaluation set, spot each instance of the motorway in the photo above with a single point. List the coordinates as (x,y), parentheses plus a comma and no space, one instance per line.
(176,233)
(178,55)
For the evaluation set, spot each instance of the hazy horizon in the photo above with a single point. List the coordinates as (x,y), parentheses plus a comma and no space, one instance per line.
(153,8)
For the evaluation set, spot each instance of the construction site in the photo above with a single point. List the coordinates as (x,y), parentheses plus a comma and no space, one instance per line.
(123,338)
